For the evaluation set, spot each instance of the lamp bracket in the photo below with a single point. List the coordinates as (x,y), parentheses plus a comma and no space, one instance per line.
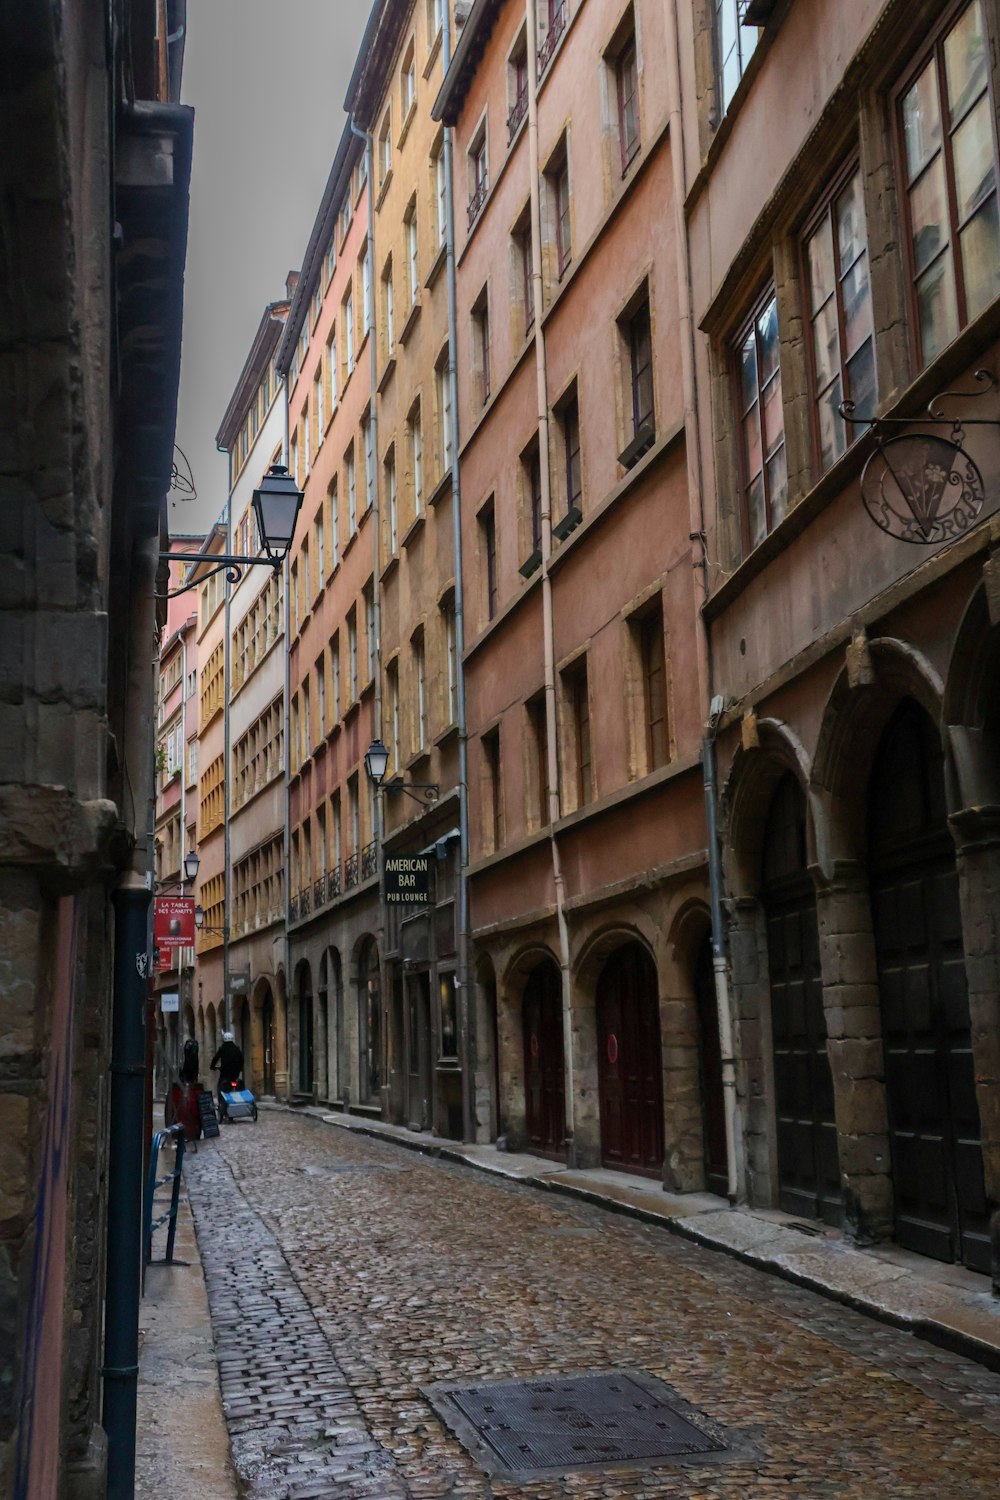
(430,790)
(232,565)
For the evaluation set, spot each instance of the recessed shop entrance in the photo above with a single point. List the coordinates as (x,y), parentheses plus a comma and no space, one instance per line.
(629,1062)
(544,1074)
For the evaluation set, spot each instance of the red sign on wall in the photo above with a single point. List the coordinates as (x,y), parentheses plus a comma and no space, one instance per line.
(173,922)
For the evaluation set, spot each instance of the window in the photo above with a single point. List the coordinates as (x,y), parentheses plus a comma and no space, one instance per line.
(526,278)
(392,508)
(478,173)
(451,661)
(352,493)
(307,717)
(317,303)
(370,636)
(354,814)
(331,366)
(347,323)
(627,92)
(335,849)
(366,428)
(192,761)
(344,221)
(558,175)
(531,471)
(293,462)
(320,562)
(488,537)
(334,526)
(840,313)
(385,147)
(388,316)
(762,421)
(411,253)
(551,22)
(420,680)
(538,744)
(438,175)
(641,369)
(294,589)
(433,21)
(654,689)
(318,404)
(305,437)
(415,443)
(329,262)
(569,431)
(578,701)
(335,674)
(951,184)
(493,789)
(443,382)
(321,694)
(352,650)
(481,325)
(408,83)
(392,684)
(517,86)
(734,47)
(366,288)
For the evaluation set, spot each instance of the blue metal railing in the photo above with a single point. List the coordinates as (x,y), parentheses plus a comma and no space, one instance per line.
(154,1182)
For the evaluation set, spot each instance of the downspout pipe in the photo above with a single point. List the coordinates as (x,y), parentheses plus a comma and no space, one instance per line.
(378,832)
(227,658)
(286,716)
(466,1013)
(126,1153)
(696,500)
(548,629)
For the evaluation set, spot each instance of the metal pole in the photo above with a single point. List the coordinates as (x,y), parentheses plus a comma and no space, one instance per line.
(466,1018)
(227,753)
(125,1183)
(287,737)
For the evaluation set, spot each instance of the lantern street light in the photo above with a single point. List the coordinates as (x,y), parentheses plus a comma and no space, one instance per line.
(199,922)
(376,764)
(191,864)
(276,504)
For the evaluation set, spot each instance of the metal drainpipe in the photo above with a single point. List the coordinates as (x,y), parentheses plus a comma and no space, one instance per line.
(548,634)
(184,751)
(465,1010)
(287,733)
(376,801)
(227,752)
(696,500)
(126,1151)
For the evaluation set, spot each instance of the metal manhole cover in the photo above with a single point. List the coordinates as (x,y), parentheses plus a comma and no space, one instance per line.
(532,1427)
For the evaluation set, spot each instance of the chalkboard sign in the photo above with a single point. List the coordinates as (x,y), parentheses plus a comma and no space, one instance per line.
(206,1109)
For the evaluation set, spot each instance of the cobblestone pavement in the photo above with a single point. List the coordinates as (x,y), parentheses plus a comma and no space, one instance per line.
(346,1276)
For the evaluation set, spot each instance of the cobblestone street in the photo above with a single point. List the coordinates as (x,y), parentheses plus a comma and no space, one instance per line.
(346,1276)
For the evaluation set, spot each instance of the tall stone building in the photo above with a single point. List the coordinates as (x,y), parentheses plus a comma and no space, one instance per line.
(841,213)
(252,433)
(94,223)
(585,673)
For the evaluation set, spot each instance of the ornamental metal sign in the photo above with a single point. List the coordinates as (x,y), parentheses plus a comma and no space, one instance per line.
(407,878)
(922,487)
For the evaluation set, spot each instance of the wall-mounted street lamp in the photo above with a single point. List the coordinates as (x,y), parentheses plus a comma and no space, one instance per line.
(276,504)
(199,922)
(191,864)
(376,764)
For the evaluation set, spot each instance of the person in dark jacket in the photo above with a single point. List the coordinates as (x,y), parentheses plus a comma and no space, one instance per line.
(229,1061)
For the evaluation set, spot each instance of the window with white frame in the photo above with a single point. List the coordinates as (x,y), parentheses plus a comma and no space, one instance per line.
(352,492)
(385,147)
(734,47)
(413,275)
(392,512)
(416,455)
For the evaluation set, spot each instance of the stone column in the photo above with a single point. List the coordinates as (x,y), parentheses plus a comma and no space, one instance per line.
(854,1043)
(751,1001)
(977,841)
(683,1126)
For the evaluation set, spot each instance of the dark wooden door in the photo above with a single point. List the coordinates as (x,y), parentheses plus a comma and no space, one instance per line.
(418,1021)
(305,1039)
(267,1021)
(808,1161)
(544,1074)
(930,1082)
(629,1062)
(713,1110)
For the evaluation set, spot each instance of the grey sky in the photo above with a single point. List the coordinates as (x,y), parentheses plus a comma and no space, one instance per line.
(267,80)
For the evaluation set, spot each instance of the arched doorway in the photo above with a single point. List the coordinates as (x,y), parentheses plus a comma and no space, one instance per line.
(305,1030)
(630,1064)
(713,1112)
(934,1129)
(268,1038)
(544,1072)
(808,1162)
(370,1023)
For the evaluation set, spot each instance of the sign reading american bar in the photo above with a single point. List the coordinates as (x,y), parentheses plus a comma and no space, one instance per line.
(406,878)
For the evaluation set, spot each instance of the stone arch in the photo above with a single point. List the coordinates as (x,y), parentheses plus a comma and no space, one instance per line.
(261,1060)
(971,710)
(746,799)
(366,970)
(694,1150)
(514,971)
(281,1072)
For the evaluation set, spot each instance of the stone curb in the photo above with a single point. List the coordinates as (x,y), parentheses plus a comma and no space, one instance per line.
(932,1331)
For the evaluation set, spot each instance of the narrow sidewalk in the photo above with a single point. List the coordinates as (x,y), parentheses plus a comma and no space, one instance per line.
(946,1305)
(182,1444)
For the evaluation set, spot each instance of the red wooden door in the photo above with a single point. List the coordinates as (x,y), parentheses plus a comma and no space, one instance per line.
(544,1085)
(629,1062)
(934,1127)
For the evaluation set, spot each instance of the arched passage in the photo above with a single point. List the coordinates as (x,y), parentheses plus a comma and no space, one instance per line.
(369,1022)
(808,1163)
(304,999)
(934,1127)
(487,1107)
(630,1065)
(544,1067)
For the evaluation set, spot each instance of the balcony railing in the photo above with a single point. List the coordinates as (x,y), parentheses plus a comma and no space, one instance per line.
(517,112)
(319,893)
(293,908)
(369,861)
(478,199)
(557,26)
(351,867)
(333,884)
(305,904)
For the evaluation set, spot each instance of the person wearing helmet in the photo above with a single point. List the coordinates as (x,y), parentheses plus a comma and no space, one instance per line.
(229,1061)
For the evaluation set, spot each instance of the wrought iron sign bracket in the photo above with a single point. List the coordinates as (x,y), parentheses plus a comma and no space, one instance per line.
(919,487)
(430,790)
(226,562)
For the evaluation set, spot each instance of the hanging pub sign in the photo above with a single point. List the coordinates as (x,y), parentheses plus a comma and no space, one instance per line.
(917,486)
(407,878)
(173,922)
